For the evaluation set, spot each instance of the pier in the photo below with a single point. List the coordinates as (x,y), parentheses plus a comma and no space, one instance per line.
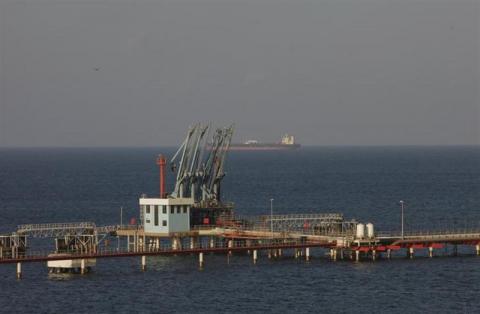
(194,220)
(337,239)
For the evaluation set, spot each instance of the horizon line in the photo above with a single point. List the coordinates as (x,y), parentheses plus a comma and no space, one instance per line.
(176,146)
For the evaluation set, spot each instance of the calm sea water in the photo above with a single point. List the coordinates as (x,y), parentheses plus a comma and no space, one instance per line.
(440,186)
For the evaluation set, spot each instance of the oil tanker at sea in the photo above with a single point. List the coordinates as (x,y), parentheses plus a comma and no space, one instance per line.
(287,143)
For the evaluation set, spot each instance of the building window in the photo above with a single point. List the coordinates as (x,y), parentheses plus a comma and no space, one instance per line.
(172,209)
(156,215)
(164,223)
(147,209)
(148,221)
(185,209)
(179,209)
(164,209)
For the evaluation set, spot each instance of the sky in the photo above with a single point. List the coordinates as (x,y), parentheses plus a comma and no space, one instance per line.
(331,72)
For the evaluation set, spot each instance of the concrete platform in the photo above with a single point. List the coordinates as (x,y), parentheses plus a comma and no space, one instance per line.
(70,263)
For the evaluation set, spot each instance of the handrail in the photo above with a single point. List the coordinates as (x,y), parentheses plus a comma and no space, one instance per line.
(54,226)
(218,246)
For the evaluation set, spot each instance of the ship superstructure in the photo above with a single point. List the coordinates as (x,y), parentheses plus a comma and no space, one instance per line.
(286,143)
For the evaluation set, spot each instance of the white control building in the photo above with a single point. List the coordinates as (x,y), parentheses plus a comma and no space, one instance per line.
(165,215)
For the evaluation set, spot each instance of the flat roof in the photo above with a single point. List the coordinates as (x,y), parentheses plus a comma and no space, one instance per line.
(166,201)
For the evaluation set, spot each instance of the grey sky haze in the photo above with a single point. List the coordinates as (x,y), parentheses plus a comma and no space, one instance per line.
(138,72)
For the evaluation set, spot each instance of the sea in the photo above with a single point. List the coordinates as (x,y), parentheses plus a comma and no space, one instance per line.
(440,187)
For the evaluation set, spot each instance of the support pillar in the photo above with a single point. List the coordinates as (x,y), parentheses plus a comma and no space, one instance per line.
(357,256)
(477,247)
(176,243)
(280,253)
(307,254)
(374,255)
(255,256)
(389,253)
(212,242)
(200,259)
(335,255)
(430,252)
(411,252)
(19,270)
(135,242)
(296,253)
(230,245)
(144,263)
(82,266)
(193,243)
(269,254)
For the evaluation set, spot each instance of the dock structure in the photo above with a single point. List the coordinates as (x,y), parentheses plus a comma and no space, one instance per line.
(78,251)
(194,220)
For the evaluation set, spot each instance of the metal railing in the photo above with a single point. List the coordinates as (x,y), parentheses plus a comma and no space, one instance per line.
(114,228)
(75,228)
(56,229)
(50,226)
(321,216)
(454,232)
(162,249)
(267,232)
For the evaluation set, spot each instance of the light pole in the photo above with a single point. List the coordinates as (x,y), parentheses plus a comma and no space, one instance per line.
(121,216)
(271,216)
(401,204)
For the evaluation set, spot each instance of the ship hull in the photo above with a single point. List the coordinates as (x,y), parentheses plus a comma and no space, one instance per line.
(243,147)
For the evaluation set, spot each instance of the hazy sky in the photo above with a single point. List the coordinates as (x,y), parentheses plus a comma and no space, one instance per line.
(138,72)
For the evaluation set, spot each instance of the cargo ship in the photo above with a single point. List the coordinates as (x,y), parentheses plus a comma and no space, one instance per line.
(287,143)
